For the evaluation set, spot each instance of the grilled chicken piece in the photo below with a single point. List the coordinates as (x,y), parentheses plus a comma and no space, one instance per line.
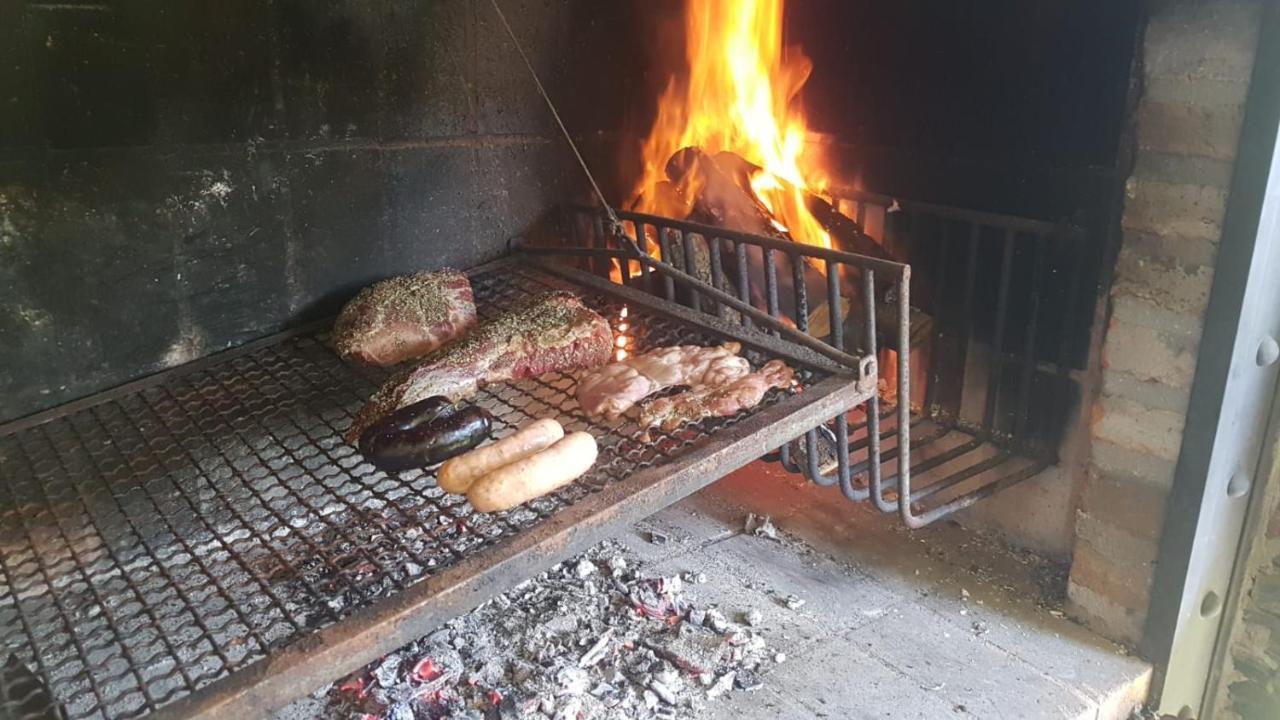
(615,388)
(553,332)
(723,400)
(404,317)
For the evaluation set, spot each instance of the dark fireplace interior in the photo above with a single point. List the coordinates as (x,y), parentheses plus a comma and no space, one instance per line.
(178,180)
(224,173)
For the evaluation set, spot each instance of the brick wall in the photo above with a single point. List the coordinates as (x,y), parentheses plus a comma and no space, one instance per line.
(1196,62)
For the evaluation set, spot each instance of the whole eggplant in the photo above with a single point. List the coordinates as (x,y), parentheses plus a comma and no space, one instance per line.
(451,433)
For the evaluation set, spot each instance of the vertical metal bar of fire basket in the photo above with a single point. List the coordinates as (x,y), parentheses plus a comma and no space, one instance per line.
(744,277)
(664,246)
(1075,268)
(691,267)
(904,400)
(800,293)
(642,240)
(997,342)
(970,287)
(599,265)
(624,271)
(771,303)
(833,305)
(771,285)
(874,470)
(1029,344)
(717,274)
(934,371)
(842,421)
(800,290)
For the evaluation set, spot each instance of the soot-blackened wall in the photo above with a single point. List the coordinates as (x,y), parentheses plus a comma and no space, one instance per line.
(177,178)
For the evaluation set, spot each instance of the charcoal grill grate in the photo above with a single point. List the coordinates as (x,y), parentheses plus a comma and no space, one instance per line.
(165,537)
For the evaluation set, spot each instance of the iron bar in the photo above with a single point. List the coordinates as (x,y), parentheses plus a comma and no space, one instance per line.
(978,217)
(744,277)
(691,267)
(717,274)
(801,292)
(904,400)
(668,282)
(1025,385)
(997,343)
(875,480)
(776,326)
(762,241)
(985,491)
(833,304)
(934,372)
(642,237)
(771,286)
(597,263)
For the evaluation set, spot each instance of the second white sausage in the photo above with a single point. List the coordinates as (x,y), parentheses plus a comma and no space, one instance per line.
(457,474)
(536,475)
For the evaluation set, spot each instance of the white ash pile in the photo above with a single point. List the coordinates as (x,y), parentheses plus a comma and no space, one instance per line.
(593,638)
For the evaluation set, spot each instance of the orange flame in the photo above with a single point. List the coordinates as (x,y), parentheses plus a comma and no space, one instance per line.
(737,95)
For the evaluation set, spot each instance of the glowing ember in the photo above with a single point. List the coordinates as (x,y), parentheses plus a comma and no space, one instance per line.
(426,670)
(355,685)
(737,95)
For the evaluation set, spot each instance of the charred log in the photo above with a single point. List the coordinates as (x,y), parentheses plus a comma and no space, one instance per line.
(846,233)
(718,194)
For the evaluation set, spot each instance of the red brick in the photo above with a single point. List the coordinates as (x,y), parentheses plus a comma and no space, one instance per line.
(1134,505)
(1137,427)
(1126,584)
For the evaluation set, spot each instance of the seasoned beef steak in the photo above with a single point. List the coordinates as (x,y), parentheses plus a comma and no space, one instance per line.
(553,332)
(404,317)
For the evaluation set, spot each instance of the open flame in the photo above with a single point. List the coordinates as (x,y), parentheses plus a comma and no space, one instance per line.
(737,94)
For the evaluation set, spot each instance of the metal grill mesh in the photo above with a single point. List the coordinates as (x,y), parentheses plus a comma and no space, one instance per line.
(158,541)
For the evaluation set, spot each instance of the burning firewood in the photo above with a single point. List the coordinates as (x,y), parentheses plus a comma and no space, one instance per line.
(720,187)
(886,324)
(719,194)
(846,233)
(716,190)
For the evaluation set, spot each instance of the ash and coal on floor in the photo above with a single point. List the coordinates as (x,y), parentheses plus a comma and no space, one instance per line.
(707,611)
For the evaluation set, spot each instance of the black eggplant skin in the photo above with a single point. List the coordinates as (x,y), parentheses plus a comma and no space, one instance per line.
(428,444)
(423,412)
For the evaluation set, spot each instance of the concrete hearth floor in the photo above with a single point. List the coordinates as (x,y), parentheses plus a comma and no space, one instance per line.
(933,623)
(936,623)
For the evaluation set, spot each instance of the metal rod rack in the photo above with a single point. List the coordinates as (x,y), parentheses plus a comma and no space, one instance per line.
(923,464)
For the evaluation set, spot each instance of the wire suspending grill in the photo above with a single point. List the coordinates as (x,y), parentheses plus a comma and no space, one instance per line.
(973,433)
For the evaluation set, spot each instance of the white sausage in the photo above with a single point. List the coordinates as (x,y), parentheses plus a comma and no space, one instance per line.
(457,474)
(536,475)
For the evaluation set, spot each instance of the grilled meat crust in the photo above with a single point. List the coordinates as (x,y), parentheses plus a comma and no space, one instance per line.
(404,317)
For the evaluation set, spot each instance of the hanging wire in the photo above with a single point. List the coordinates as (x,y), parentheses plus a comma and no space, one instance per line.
(613,218)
